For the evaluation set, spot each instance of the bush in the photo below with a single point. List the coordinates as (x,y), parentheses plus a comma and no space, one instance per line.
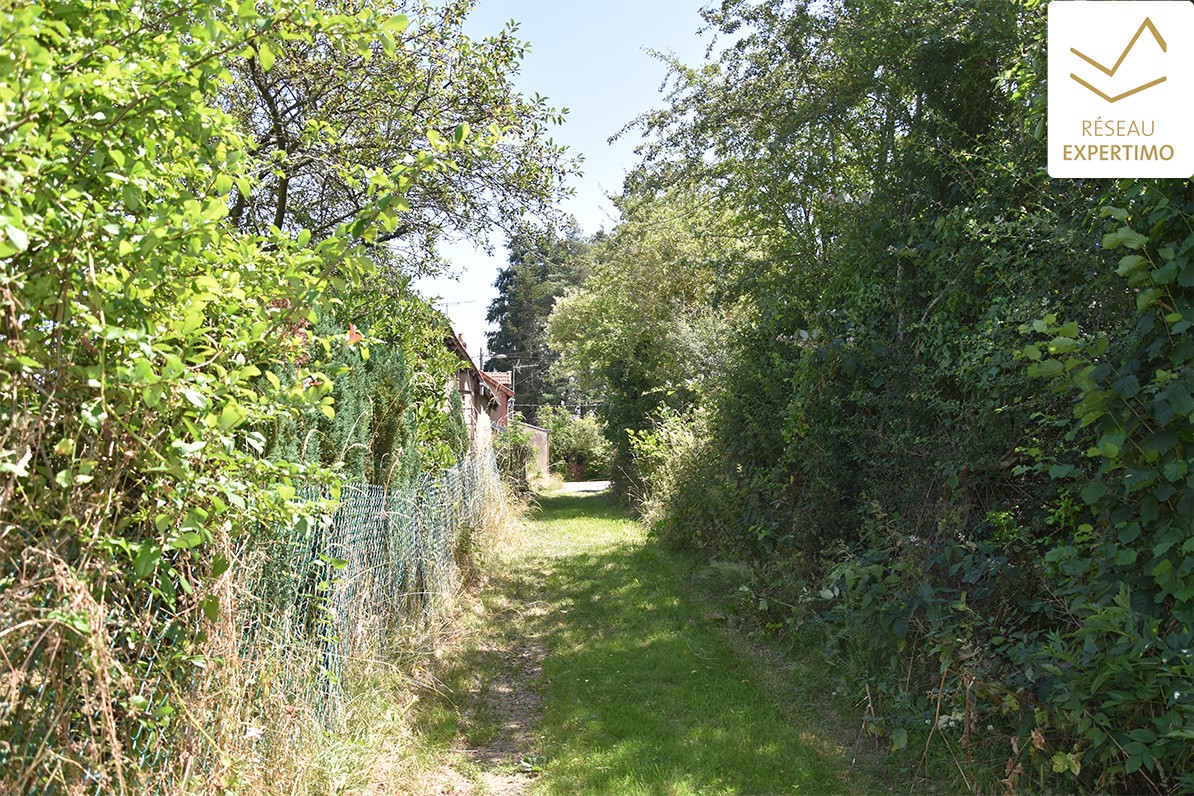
(579,449)
(150,348)
(987,557)
(955,432)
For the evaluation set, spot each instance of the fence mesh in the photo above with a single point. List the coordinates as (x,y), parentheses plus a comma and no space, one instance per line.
(298,608)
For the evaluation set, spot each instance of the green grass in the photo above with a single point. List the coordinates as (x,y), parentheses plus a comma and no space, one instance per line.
(643,694)
(647,685)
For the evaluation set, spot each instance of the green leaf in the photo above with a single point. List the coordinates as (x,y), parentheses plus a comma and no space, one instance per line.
(265,56)
(166,588)
(1146,298)
(1064,762)
(1164,275)
(1126,237)
(1046,369)
(187,540)
(16,236)
(77,620)
(211,607)
(1111,444)
(1156,444)
(19,468)
(188,448)
(1129,533)
(195,518)
(1093,492)
(147,560)
(196,398)
(231,415)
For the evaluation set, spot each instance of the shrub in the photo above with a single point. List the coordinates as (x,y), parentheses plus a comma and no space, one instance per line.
(579,449)
(149,349)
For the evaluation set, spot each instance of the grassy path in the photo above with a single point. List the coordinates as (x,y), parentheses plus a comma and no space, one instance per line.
(597,666)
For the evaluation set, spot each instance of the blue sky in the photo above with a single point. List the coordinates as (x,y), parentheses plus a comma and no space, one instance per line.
(589,57)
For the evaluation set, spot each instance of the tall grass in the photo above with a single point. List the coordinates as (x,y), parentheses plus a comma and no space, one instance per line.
(300,665)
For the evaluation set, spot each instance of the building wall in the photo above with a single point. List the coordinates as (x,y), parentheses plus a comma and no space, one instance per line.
(482,438)
(501,414)
(484,402)
(477,408)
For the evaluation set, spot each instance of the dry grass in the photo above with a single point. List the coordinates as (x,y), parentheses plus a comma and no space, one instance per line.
(375,748)
(253,710)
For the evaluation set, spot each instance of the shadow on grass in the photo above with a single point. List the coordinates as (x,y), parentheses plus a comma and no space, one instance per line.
(581,505)
(643,696)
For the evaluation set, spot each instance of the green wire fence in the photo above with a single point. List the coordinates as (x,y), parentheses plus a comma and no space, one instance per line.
(298,609)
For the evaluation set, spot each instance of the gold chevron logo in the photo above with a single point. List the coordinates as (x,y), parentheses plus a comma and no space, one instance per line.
(1146,25)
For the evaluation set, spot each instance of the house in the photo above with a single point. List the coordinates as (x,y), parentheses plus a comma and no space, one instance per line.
(486,401)
(540,440)
(502,377)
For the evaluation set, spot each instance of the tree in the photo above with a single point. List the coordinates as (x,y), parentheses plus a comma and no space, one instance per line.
(323,111)
(541,269)
(579,448)
(876,443)
(815,109)
(642,332)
